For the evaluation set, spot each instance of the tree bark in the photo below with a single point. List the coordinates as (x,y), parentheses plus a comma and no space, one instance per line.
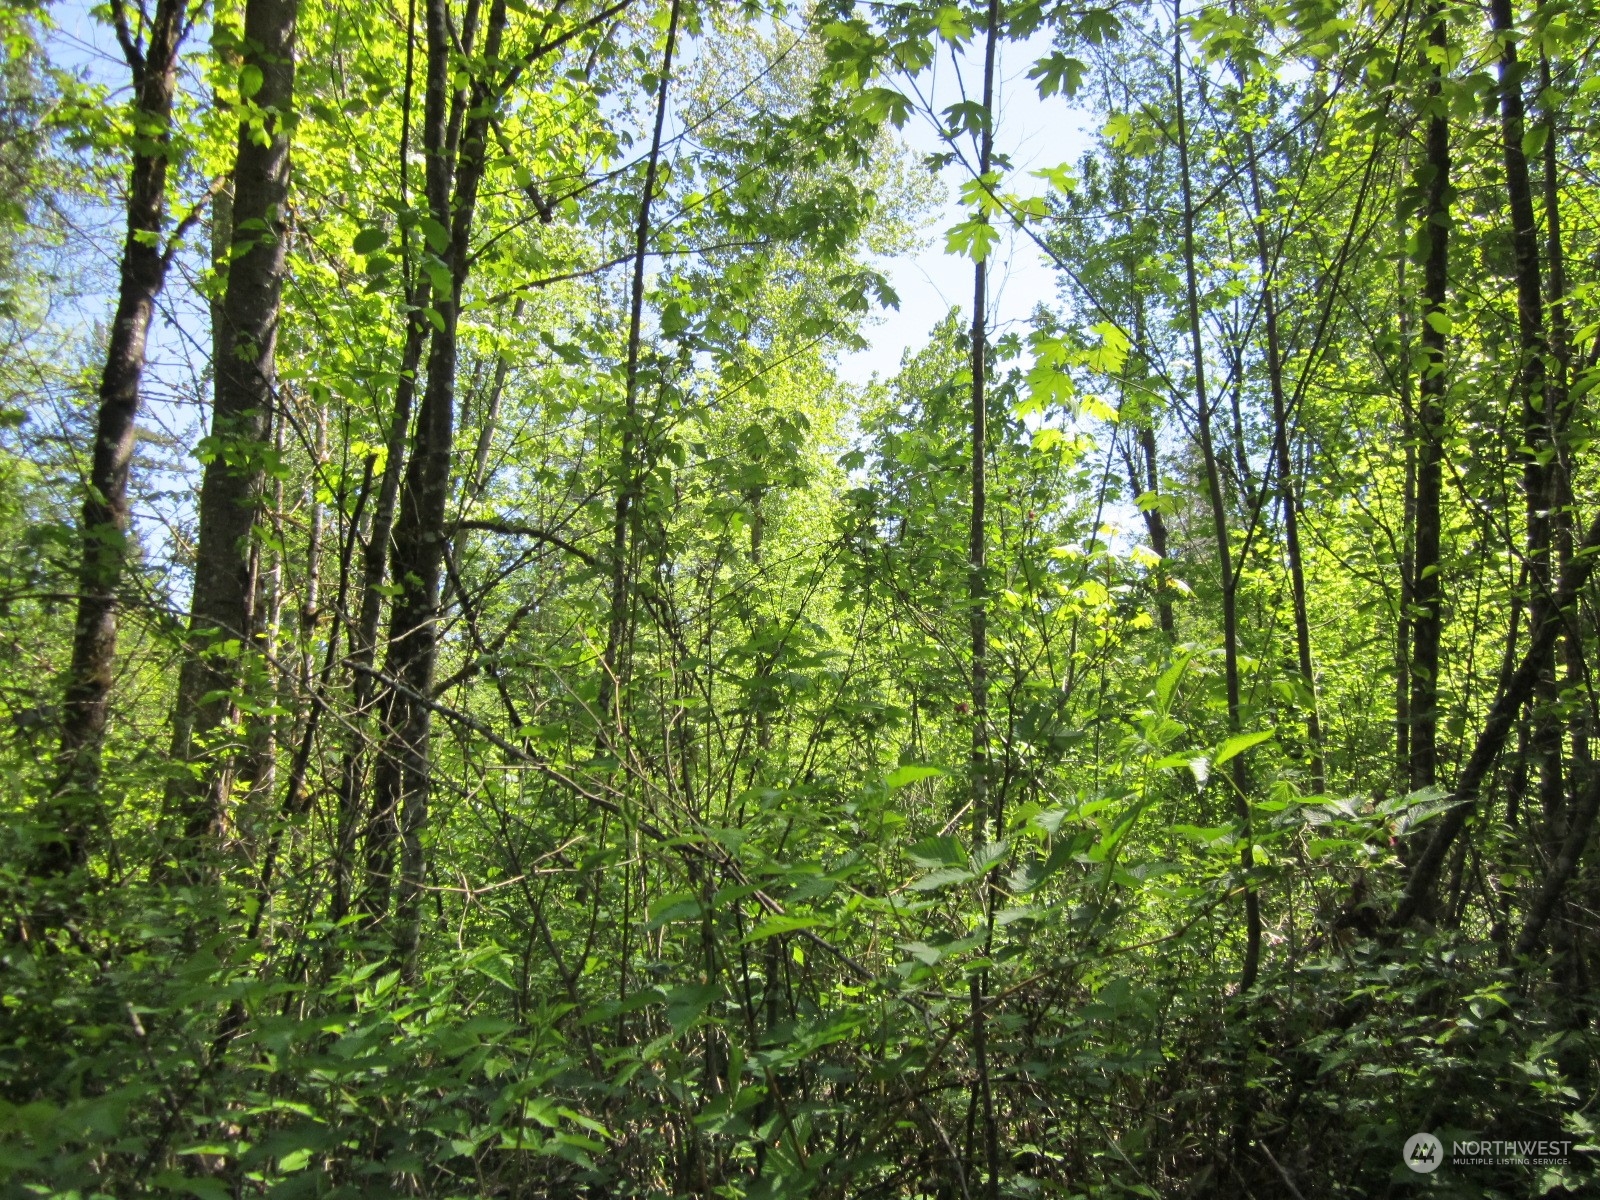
(1408,523)
(1513,693)
(1561,870)
(1538,415)
(1285,473)
(105,519)
(988,819)
(1559,397)
(223,612)
(1426,591)
(608,706)
(1155,524)
(375,552)
(400,810)
(1219,516)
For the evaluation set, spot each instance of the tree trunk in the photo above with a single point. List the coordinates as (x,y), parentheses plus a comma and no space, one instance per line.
(400,810)
(988,820)
(375,553)
(1426,591)
(1561,869)
(1219,517)
(1538,432)
(105,508)
(223,610)
(1515,690)
(1408,524)
(1285,474)
(608,706)
(1560,399)
(1144,477)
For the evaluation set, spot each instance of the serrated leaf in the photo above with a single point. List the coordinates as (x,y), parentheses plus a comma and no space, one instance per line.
(686,1004)
(1058,72)
(938,852)
(975,239)
(910,773)
(779,925)
(1238,744)
(935,880)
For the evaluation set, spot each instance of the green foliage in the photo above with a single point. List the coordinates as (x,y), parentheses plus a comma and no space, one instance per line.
(704,907)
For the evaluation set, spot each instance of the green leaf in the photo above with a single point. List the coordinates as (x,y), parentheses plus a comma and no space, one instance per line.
(934,880)
(881,103)
(1119,129)
(676,906)
(779,925)
(438,236)
(938,852)
(202,1186)
(1058,72)
(1238,744)
(952,25)
(987,855)
(975,239)
(910,773)
(295,1160)
(1167,684)
(370,240)
(687,1004)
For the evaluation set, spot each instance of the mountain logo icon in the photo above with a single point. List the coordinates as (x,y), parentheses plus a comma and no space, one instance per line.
(1423,1153)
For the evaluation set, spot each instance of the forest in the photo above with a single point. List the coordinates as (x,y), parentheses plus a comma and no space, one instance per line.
(492,704)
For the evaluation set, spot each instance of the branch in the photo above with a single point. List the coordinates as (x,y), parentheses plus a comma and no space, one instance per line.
(514,529)
(193,215)
(130,48)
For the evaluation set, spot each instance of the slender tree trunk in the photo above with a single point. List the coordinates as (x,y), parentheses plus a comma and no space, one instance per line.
(400,811)
(375,553)
(1538,414)
(1155,523)
(311,597)
(364,637)
(1408,524)
(105,517)
(1219,516)
(1559,397)
(1426,591)
(260,766)
(1561,869)
(988,819)
(608,708)
(1516,688)
(1285,479)
(223,615)
(491,414)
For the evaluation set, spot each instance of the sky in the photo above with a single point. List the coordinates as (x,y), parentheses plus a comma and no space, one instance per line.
(1035,133)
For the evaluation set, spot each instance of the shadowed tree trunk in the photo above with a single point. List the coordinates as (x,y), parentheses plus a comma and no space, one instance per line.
(1538,414)
(400,807)
(1285,474)
(1426,593)
(1219,513)
(105,517)
(223,616)
(1408,517)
